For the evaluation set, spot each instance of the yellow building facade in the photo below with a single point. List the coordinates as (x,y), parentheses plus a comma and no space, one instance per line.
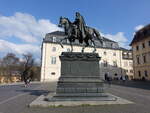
(141,53)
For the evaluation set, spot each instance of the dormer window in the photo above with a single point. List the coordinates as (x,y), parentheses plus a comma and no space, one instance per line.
(54,39)
(104,44)
(67,41)
(112,45)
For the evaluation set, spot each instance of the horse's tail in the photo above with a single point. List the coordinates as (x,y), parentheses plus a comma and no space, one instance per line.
(99,37)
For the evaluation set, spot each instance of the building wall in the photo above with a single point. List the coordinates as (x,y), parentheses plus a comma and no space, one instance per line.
(140,53)
(127,66)
(51,72)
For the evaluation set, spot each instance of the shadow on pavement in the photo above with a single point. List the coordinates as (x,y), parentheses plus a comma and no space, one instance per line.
(35,92)
(134,84)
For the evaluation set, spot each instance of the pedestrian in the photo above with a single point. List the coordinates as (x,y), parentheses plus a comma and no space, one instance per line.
(123,79)
(109,79)
(26,77)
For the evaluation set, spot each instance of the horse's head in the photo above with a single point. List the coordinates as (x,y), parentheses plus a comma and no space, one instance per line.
(63,22)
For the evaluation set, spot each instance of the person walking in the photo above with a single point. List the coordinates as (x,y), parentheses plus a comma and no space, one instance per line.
(123,79)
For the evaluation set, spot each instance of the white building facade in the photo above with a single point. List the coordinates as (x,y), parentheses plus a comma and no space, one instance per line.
(115,61)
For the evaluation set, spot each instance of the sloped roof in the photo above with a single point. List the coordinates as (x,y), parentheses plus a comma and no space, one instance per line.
(141,34)
(61,33)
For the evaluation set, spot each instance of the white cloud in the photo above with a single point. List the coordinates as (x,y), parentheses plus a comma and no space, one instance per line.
(138,27)
(6,46)
(25,27)
(118,37)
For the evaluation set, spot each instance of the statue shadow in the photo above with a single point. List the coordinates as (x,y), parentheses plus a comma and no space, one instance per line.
(35,92)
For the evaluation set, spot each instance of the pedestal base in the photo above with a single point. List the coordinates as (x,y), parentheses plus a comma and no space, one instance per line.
(80,78)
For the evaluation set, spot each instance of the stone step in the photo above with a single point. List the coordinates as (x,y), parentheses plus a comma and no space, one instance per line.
(80,90)
(80,79)
(81,95)
(81,99)
(89,74)
(79,84)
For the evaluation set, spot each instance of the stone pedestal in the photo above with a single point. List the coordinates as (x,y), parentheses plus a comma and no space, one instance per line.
(80,78)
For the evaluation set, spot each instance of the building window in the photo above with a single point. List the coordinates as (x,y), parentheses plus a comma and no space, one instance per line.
(125,55)
(54,49)
(143,45)
(116,74)
(114,54)
(138,60)
(125,63)
(144,58)
(145,72)
(137,48)
(53,73)
(126,71)
(53,60)
(112,45)
(130,64)
(131,71)
(115,63)
(105,53)
(54,39)
(130,55)
(139,73)
(105,63)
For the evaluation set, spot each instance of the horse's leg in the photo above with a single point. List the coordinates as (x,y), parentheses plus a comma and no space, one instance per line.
(71,46)
(87,44)
(93,45)
(61,42)
(83,49)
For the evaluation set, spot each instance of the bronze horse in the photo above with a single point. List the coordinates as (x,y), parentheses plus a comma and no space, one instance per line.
(69,28)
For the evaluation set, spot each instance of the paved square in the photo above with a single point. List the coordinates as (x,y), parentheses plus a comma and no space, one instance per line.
(16,98)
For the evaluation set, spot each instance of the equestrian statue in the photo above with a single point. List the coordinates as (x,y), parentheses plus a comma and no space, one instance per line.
(78,30)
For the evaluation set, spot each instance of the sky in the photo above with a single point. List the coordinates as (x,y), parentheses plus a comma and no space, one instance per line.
(24,23)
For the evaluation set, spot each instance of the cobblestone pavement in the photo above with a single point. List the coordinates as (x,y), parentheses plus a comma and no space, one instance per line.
(139,95)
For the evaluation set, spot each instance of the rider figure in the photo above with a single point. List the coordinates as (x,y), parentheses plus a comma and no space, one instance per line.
(80,23)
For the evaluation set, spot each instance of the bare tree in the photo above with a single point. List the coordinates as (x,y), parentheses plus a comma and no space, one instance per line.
(28,63)
(10,62)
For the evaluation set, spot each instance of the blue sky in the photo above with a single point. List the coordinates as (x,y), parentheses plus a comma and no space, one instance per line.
(116,19)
